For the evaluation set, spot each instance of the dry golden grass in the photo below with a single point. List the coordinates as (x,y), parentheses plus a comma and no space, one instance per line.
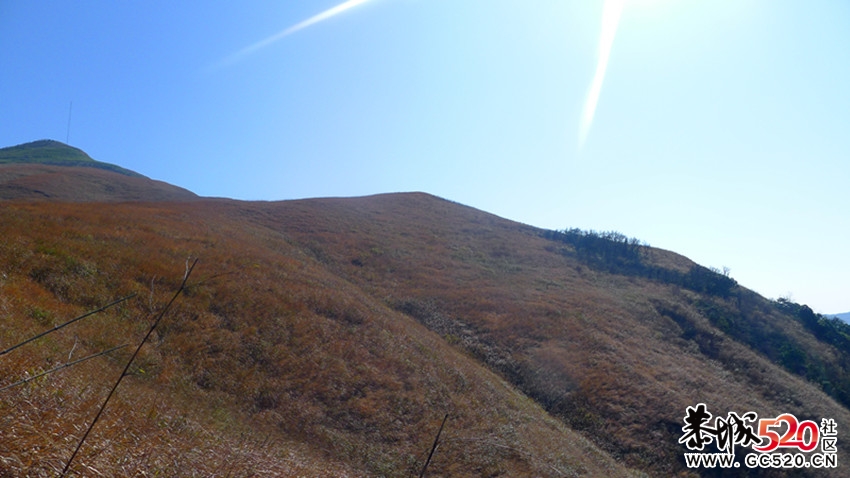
(599,351)
(270,364)
(82,184)
(329,337)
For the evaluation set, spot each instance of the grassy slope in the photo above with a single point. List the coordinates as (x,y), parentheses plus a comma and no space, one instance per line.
(343,329)
(57,154)
(276,366)
(55,171)
(619,358)
(81,184)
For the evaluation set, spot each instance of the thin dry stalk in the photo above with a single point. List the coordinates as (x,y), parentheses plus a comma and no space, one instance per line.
(129,363)
(54,329)
(434,447)
(63,366)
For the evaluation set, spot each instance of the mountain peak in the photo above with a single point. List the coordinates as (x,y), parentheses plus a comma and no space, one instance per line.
(48,169)
(56,153)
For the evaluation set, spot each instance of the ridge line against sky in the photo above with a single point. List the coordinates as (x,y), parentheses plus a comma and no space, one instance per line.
(717,130)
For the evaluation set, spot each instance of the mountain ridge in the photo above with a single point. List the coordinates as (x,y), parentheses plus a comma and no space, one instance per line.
(718,325)
(50,170)
(845,316)
(330,336)
(55,153)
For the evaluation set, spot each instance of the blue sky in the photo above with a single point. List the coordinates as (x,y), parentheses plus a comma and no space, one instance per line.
(721,131)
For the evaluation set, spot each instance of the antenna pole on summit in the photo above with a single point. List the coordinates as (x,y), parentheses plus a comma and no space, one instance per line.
(68,130)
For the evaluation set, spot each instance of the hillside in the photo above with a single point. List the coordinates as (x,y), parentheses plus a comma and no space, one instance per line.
(52,170)
(272,363)
(54,153)
(612,354)
(329,337)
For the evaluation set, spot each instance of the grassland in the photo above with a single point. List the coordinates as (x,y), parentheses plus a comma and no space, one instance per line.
(52,171)
(49,152)
(329,337)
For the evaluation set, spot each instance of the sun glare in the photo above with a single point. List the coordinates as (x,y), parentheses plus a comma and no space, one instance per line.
(331,12)
(611,12)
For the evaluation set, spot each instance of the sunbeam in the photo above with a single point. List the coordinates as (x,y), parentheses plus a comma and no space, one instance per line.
(610,19)
(342,7)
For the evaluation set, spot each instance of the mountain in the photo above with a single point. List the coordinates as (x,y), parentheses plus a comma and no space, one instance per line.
(52,170)
(845,316)
(54,153)
(330,337)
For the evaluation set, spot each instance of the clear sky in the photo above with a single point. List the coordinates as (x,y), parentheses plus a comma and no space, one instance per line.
(719,129)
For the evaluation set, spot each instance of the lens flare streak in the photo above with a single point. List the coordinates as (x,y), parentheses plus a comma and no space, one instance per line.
(331,12)
(610,20)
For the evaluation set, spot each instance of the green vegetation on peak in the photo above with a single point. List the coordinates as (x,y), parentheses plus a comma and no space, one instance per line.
(56,153)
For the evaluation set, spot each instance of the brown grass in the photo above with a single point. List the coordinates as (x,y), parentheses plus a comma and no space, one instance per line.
(269,355)
(82,184)
(330,337)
